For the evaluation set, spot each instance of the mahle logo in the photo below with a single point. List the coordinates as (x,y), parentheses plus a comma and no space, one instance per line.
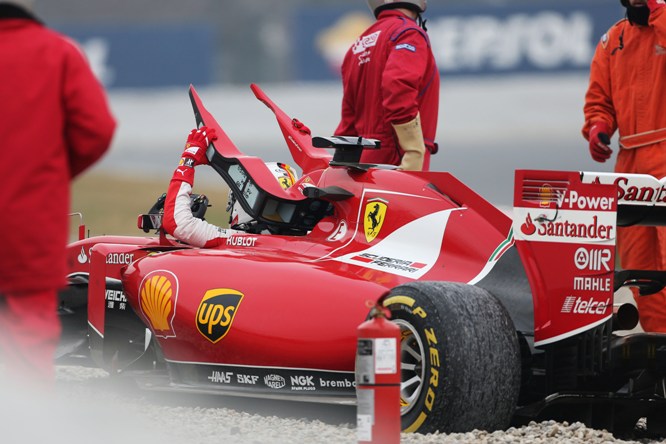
(216,312)
(375,213)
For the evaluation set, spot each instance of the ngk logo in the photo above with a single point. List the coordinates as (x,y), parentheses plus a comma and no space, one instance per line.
(594,259)
(578,305)
(302,380)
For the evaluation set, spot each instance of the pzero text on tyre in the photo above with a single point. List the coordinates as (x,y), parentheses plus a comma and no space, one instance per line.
(460,358)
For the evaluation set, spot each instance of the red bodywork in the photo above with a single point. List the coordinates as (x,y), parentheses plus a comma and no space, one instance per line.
(304,297)
(277,314)
(296,301)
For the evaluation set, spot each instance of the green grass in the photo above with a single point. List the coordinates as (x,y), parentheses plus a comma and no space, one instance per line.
(111,203)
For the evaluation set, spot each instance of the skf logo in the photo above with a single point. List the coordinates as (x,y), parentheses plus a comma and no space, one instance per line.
(375,213)
(158,295)
(216,312)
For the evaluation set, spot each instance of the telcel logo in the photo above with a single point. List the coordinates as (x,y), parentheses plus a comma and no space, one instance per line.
(578,305)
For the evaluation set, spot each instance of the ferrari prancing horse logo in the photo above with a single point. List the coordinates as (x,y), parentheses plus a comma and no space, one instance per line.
(375,213)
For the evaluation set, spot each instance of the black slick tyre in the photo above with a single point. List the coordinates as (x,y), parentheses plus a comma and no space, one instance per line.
(460,358)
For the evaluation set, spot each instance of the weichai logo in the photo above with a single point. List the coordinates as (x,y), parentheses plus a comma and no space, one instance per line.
(216,312)
(158,295)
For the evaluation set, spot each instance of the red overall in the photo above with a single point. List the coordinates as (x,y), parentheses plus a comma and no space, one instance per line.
(389,75)
(54,123)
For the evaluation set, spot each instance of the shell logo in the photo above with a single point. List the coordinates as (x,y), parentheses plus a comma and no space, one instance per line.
(546,195)
(158,294)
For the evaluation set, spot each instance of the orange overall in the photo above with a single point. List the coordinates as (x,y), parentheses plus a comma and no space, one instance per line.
(627,90)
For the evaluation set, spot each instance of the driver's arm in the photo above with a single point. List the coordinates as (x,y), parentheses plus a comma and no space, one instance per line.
(178,219)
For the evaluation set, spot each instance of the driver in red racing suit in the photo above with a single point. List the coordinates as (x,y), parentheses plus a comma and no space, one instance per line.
(178,219)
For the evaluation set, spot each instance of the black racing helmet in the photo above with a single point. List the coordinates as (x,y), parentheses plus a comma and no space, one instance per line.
(419,6)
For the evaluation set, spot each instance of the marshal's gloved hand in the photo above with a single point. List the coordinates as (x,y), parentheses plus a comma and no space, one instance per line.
(599,141)
(194,153)
(410,138)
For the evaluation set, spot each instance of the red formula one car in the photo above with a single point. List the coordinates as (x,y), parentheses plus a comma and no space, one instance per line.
(502,320)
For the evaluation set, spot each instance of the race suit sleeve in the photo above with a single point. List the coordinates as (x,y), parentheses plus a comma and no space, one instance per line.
(89,125)
(598,99)
(403,75)
(178,219)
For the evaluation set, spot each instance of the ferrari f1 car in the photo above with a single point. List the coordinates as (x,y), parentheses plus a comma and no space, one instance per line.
(503,319)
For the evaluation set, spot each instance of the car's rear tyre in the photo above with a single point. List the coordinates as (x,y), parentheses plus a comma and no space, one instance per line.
(460,358)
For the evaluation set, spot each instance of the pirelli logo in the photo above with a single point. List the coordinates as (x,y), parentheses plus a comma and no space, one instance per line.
(216,312)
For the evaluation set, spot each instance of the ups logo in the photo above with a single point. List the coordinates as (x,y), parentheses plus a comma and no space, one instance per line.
(216,312)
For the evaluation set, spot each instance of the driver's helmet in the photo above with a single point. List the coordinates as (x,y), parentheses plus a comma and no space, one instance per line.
(283,173)
(376,6)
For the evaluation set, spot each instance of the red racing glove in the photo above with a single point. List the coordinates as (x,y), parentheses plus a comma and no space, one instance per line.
(599,141)
(653,5)
(194,153)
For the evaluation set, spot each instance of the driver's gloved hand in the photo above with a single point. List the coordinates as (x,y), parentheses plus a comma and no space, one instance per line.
(197,144)
(194,153)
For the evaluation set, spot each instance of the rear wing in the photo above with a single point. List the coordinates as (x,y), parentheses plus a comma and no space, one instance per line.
(565,228)
(641,198)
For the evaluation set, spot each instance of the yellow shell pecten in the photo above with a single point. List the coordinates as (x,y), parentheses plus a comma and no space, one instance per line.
(156,301)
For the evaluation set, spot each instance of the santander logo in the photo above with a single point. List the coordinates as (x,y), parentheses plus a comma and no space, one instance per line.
(528,228)
(582,229)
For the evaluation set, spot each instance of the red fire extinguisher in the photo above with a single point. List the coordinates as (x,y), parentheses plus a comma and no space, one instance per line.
(378,380)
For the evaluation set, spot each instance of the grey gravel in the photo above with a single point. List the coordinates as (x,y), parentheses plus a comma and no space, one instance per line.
(86,408)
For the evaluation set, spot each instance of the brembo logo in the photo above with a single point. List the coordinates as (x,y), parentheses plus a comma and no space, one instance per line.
(578,305)
(594,259)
